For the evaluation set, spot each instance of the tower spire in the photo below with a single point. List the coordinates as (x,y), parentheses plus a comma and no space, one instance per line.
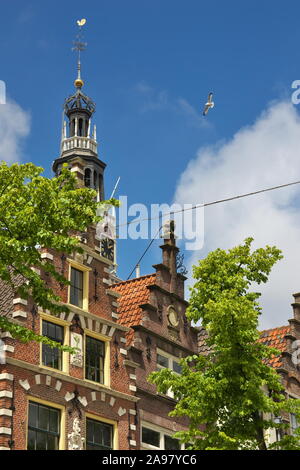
(79,46)
(79,146)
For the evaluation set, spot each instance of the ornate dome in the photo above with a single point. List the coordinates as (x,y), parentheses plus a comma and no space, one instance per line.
(79,102)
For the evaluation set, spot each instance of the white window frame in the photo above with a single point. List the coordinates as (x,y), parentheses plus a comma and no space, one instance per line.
(170,359)
(162,431)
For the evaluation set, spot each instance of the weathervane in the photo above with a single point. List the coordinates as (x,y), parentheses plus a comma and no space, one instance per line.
(79,46)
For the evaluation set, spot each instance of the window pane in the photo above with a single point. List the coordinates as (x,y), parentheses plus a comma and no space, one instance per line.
(53,421)
(59,333)
(31,440)
(52,357)
(43,427)
(99,435)
(150,437)
(41,441)
(87,177)
(107,431)
(177,367)
(43,422)
(94,362)
(76,288)
(33,415)
(90,431)
(52,442)
(162,360)
(171,443)
(51,330)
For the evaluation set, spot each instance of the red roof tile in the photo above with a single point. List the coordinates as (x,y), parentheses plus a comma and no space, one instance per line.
(133,294)
(274,337)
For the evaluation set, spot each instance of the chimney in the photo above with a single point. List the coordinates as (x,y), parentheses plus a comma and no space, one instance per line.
(137,270)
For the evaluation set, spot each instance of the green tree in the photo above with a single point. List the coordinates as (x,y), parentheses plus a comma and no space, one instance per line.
(36,212)
(232,395)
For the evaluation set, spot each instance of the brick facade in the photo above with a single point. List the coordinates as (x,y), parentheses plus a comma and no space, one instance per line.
(141,324)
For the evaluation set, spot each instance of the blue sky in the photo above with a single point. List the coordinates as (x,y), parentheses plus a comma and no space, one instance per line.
(149,67)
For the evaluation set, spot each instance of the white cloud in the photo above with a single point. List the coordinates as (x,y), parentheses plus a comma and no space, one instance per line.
(14,126)
(264,154)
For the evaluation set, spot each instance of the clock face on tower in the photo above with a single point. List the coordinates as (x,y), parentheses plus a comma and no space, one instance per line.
(108,249)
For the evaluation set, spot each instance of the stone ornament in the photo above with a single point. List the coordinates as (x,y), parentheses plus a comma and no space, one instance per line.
(76,342)
(75,441)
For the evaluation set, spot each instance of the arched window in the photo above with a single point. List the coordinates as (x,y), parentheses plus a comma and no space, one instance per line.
(80,127)
(101,189)
(87,177)
(95,180)
(72,127)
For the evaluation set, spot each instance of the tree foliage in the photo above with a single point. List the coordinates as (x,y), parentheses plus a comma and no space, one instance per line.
(36,212)
(231,395)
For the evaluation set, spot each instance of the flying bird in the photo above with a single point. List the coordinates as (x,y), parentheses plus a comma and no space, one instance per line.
(208,105)
(81,22)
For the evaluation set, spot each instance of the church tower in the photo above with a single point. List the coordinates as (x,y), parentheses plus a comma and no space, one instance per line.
(79,147)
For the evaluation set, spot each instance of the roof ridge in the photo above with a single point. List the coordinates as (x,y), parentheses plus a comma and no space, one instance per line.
(134,279)
(274,328)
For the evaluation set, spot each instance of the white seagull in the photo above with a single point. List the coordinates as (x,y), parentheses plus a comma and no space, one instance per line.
(208,105)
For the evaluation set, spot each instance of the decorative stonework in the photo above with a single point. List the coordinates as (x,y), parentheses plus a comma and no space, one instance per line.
(46,255)
(5,412)
(79,258)
(48,380)
(38,379)
(20,301)
(4,430)
(6,394)
(6,376)
(58,385)
(76,342)
(112,401)
(69,396)
(83,401)
(121,411)
(19,313)
(75,441)
(24,384)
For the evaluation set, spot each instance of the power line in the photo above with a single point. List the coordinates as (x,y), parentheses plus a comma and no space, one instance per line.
(205,204)
(219,201)
(145,252)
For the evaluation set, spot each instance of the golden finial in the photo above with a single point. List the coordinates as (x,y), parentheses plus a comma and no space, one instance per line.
(79,46)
